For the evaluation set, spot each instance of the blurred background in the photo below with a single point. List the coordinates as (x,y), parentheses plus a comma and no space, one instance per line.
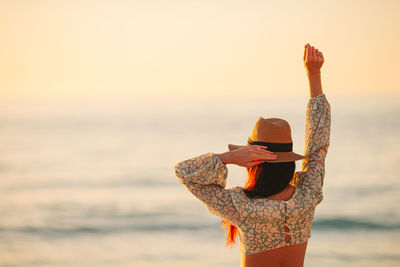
(100,99)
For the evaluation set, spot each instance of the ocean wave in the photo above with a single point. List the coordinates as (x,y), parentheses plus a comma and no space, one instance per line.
(327,224)
(352,224)
(78,230)
(66,184)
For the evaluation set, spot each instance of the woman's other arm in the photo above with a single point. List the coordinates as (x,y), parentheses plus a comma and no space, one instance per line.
(313,60)
(317,128)
(205,177)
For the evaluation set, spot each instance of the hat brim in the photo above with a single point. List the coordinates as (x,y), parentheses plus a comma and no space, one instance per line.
(281,156)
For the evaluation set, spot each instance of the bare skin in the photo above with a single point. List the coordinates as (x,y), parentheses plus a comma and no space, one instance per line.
(250,155)
(313,60)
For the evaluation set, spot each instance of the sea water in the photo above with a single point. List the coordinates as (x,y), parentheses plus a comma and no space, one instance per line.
(91,182)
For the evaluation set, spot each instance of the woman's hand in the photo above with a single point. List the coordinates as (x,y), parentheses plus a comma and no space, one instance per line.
(313,60)
(247,156)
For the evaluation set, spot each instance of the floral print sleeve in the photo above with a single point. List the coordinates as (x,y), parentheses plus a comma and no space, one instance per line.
(317,132)
(205,177)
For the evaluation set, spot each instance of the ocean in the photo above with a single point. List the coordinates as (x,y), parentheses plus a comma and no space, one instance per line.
(91,182)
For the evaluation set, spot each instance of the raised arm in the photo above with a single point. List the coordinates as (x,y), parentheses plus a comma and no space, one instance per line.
(313,60)
(317,126)
(205,177)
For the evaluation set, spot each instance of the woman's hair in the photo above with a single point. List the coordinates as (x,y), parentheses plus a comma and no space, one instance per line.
(263,180)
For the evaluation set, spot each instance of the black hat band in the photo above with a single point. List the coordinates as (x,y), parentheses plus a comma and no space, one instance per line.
(273,147)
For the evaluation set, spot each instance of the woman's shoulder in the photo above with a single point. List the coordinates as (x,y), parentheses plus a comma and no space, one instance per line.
(237,192)
(239,197)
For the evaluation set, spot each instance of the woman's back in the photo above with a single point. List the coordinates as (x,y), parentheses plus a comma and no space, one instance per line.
(286,256)
(292,256)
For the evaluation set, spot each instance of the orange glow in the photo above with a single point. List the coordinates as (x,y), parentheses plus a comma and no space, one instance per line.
(188,48)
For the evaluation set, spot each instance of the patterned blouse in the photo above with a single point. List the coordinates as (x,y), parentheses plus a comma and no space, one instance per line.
(265,224)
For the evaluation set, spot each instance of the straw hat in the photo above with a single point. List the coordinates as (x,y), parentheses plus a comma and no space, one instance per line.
(276,135)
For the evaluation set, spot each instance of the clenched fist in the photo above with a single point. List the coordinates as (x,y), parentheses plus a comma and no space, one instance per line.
(313,60)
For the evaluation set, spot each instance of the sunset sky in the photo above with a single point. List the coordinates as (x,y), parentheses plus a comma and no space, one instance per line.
(158,48)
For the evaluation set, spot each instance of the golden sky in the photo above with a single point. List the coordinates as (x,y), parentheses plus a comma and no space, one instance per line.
(156,48)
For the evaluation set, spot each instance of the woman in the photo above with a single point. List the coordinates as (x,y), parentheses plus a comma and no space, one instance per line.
(273,212)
